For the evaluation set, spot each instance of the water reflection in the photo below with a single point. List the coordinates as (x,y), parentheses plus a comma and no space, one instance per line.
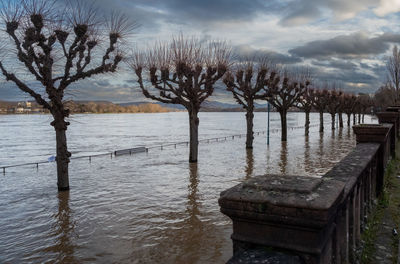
(307,158)
(249,163)
(340,133)
(63,231)
(193,204)
(283,157)
(154,208)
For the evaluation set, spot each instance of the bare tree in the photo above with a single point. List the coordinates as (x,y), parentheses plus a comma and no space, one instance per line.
(393,68)
(57,48)
(348,105)
(283,93)
(333,104)
(365,104)
(384,97)
(305,103)
(320,101)
(246,82)
(183,72)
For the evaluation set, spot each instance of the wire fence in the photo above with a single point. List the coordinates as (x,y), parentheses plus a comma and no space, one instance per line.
(143,149)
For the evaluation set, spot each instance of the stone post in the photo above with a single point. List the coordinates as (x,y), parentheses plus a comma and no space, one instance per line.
(395,109)
(379,134)
(390,118)
(286,213)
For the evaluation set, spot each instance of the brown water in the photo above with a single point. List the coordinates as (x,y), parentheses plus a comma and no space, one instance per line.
(144,208)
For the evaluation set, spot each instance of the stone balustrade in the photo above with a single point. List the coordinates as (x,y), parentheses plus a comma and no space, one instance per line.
(302,219)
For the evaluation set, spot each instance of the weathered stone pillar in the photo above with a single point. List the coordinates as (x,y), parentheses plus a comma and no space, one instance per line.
(368,133)
(390,118)
(286,213)
(395,109)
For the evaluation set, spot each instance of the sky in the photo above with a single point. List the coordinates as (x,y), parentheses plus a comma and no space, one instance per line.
(346,41)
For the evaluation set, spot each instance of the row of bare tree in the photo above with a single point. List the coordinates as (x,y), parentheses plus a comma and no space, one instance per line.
(284,90)
(56,47)
(185,72)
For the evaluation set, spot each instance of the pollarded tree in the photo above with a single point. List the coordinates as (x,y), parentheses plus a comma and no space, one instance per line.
(246,82)
(333,104)
(56,49)
(305,103)
(283,93)
(365,103)
(183,72)
(349,101)
(320,101)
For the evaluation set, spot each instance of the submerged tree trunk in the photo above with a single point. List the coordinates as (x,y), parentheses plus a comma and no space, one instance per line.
(307,124)
(348,119)
(333,121)
(341,120)
(321,121)
(63,154)
(194,136)
(249,120)
(283,114)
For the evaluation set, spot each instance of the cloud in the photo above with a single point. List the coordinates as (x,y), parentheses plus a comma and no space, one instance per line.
(276,57)
(300,12)
(338,64)
(347,46)
(387,7)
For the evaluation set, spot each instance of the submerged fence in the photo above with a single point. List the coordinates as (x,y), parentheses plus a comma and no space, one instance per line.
(143,149)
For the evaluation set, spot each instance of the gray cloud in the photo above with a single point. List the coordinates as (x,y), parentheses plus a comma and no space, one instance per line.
(275,57)
(347,46)
(299,12)
(353,80)
(338,64)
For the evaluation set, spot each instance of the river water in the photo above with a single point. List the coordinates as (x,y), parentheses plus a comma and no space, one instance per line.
(150,207)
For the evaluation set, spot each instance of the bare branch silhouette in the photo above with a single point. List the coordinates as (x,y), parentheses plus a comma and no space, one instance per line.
(284,89)
(182,71)
(246,82)
(57,49)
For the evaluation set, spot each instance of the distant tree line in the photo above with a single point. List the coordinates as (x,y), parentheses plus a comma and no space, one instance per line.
(107,107)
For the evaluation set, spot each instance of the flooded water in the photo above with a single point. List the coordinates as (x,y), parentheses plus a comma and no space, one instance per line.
(150,207)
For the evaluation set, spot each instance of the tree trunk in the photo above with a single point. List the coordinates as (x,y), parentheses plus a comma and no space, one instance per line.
(363,115)
(354,119)
(359,118)
(340,119)
(348,119)
(283,114)
(321,121)
(62,155)
(333,121)
(249,120)
(307,124)
(194,136)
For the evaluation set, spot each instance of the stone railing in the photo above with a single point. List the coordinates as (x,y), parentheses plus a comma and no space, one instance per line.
(299,219)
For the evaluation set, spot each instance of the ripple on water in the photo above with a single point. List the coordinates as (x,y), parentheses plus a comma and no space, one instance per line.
(144,208)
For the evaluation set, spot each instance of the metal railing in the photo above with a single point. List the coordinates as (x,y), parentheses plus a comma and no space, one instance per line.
(143,149)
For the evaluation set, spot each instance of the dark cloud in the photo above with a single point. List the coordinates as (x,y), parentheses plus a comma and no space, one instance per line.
(338,64)
(351,80)
(151,14)
(347,46)
(299,12)
(249,52)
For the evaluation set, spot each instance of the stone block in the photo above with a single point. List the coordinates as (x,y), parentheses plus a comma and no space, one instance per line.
(287,212)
